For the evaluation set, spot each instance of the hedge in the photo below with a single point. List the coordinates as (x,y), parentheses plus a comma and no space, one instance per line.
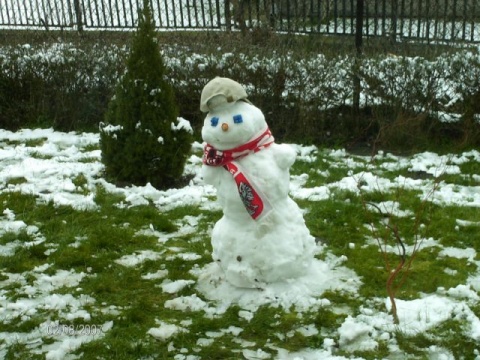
(306,99)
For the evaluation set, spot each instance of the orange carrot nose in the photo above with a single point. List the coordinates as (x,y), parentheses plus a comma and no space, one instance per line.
(225,127)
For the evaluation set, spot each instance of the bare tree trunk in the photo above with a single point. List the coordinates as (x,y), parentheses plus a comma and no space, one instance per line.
(239,15)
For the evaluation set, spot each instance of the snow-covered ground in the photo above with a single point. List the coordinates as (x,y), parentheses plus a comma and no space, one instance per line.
(47,170)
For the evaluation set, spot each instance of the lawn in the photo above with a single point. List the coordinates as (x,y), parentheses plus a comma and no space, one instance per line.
(89,270)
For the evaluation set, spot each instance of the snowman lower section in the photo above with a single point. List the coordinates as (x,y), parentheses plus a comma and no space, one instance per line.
(276,248)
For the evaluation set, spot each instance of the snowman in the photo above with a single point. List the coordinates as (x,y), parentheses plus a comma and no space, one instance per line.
(262,237)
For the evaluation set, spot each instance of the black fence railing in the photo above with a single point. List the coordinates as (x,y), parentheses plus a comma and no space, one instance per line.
(426,20)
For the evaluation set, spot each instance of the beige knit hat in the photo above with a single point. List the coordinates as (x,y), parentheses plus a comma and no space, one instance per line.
(220,91)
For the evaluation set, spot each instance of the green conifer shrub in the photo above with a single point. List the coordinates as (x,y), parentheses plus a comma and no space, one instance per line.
(142,139)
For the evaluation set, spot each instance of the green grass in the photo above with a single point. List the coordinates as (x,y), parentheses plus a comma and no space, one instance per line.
(91,242)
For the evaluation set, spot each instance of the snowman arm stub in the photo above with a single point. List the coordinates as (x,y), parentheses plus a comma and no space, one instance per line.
(210,174)
(284,155)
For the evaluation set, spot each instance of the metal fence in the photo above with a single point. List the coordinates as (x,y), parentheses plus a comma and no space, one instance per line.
(427,20)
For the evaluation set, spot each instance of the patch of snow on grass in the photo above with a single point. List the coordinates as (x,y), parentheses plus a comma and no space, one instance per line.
(165,330)
(173,287)
(138,258)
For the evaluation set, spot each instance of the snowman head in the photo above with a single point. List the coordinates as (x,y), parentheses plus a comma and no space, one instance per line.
(232,120)
(231,125)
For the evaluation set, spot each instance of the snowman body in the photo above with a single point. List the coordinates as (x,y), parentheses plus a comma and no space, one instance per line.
(273,244)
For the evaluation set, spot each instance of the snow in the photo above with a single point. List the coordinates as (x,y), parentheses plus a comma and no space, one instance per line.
(183,124)
(165,330)
(109,129)
(173,287)
(160,274)
(355,335)
(303,292)
(138,258)
(42,162)
(389,207)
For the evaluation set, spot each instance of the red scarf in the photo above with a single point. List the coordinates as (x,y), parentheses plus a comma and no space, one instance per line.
(255,202)
(214,157)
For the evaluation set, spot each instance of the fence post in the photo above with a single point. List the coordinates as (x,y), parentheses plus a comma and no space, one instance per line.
(359,50)
(359,27)
(228,16)
(78,15)
(393,35)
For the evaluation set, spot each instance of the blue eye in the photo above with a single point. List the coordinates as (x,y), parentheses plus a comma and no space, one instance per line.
(214,121)
(237,119)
